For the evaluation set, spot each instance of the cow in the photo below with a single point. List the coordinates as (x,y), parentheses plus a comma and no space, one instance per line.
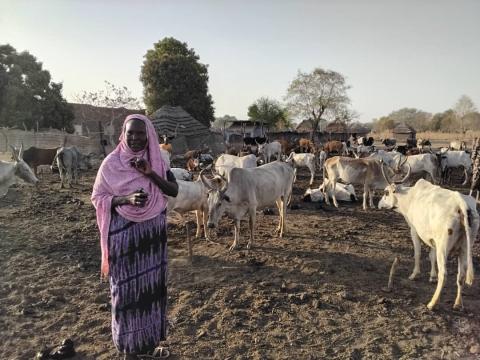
(268,150)
(321,157)
(365,141)
(225,163)
(455,159)
(391,158)
(11,172)
(458,145)
(304,160)
(192,196)
(287,147)
(424,144)
(414,151)
(69,161)
(365,171)
(182,174)
(342,193)
(34,157)
(421,164)
(247,190)
(444,220)
(193,164)
(335,146)
(306,145)
(165,156)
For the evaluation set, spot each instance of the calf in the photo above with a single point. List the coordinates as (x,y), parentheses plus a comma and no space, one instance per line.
(342,193)
(11,172)
(247,190)
(444,220)
(69,161)
(192,196)
(269,150)
(304,160)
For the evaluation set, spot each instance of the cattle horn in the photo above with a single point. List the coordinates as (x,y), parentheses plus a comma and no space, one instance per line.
(205,181)
(14,153)
(382,164)
(406,176)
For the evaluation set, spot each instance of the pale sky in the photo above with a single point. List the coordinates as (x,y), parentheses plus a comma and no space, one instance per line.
(416,53)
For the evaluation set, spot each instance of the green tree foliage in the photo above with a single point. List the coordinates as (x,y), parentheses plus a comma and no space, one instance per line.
(270,112)
(172,75)
(28,97)
(321,93)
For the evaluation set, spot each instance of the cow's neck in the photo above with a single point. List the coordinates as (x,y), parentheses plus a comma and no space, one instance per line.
(404,199)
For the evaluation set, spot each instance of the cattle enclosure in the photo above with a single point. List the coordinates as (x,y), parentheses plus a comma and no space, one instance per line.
(317,293)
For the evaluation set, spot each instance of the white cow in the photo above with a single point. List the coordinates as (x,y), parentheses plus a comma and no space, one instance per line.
(421,164)
(192,196)
(304,160)
(391,158)
(455,159)
(226,162)
(457,145)
(182,174)
(69,161)
(445,220)
(11,172)
(268,150)
(249,189)
(342,193)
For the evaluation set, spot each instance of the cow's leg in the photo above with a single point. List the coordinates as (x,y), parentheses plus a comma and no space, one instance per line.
(433,263)
(236,235)
(198,215)
(334,185)
(416,253)
(462,270)
(466,176)
(282,210)
(252,214)
(442,273)
(312,173)
(370,197)
(326,184)
(205,227)
(366,190)
(62,174)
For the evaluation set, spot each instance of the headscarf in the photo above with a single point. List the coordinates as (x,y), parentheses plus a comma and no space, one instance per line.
(116,177)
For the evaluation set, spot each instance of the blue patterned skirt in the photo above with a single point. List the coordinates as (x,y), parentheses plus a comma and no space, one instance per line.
(138,282)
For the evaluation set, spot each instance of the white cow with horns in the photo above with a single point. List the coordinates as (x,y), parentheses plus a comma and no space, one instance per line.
(11,172)
(445,220)
(226,162)
(246,191)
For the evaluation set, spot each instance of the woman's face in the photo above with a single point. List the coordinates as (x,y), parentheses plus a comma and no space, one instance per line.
(136,133)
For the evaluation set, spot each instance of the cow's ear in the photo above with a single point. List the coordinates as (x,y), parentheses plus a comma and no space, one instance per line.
(226,198)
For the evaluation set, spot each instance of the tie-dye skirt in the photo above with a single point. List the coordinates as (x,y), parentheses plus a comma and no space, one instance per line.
(138,282)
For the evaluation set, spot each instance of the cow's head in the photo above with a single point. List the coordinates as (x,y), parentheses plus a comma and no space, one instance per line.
(389,199)
(22,170)
(218,200)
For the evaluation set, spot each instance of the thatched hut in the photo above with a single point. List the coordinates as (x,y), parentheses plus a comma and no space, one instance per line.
(190,133)
(358,129)
(337,130)
(405,134)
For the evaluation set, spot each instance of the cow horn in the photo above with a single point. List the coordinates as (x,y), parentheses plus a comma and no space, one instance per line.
(204,180)
(406,176)
(14,153)
(382,164)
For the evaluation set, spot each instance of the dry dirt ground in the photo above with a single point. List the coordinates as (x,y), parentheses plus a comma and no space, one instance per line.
(318,293)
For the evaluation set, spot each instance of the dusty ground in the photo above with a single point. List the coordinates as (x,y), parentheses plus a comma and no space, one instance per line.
(316,294)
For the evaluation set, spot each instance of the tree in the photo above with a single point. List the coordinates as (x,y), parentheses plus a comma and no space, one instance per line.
(172,75)
(321,93)
(28,97)
(222,121)
(112,97)
(270,112)
(462,108)
(444,122)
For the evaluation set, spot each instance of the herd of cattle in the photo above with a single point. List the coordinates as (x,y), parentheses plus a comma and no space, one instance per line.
(260,175)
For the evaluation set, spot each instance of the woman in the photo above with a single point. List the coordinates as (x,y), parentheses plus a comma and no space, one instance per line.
(129,195)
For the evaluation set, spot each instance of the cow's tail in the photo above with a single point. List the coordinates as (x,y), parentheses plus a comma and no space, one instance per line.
(467,222)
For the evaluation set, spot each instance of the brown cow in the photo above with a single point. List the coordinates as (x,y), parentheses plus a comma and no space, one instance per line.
(306,145)
(192,164)
(192,154)
(34,157)
(335,146)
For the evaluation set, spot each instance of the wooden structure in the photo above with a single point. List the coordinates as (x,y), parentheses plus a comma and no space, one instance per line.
(405,135)
(337,130)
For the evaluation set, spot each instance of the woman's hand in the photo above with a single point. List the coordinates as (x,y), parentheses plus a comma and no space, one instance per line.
(142,166)
(137,198)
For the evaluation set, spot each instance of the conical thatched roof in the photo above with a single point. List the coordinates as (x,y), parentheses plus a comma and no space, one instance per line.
(305,125)
(337,127)
(166,119)
(403,128)
(358,129)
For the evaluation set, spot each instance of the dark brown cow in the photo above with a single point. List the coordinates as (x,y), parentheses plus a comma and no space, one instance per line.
(306,145)
(334,146)
(34,156)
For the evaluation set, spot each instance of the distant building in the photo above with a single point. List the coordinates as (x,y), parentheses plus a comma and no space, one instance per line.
(405,134)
